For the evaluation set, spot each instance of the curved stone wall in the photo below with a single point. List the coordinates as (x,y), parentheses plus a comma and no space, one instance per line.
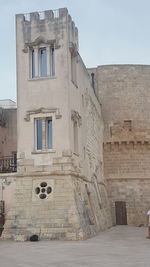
(124,91)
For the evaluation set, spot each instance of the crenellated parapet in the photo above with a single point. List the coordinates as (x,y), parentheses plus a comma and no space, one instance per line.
(126,145)
(39,25)
(44,16)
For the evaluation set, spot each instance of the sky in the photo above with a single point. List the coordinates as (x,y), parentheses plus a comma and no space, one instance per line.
(110,32)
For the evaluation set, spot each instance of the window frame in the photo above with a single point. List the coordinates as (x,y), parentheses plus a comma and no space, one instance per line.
(42,65)
(46,126)
(35,61)
(32,52)
(44,134)
(36,135)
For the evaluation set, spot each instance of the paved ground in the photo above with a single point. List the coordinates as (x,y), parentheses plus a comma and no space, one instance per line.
(117,247)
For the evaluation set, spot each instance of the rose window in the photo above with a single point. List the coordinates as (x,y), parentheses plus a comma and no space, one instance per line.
(43,190)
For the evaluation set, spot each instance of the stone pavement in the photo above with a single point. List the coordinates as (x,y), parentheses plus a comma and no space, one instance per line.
(119,246)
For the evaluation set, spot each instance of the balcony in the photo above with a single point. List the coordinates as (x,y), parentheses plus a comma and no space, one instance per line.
(8,164)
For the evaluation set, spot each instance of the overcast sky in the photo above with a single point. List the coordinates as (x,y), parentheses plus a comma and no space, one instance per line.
(110,32)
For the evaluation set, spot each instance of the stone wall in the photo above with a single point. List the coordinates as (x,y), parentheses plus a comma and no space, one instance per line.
(124,94)
(127,168)
(7,188)
(60,192)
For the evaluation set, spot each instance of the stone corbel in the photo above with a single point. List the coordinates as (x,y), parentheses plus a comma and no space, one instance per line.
(56,111)
(76,117)
(25,49)
(73,49)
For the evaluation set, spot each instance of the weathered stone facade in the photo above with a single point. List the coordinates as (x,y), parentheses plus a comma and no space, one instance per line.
(83,136)
(60,191)
(124,93)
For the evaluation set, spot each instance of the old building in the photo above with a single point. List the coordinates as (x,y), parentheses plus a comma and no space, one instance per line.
(8,153)
(82,137)
(60,189)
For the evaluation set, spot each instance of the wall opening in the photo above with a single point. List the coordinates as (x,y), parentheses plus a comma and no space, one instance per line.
(121,213)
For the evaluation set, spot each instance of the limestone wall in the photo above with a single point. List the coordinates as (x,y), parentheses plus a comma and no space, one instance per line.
(61,192)
(124,94)
(127,168)
(7,188)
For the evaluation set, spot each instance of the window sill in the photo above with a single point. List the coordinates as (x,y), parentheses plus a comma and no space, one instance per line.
(42,78)
(44,151)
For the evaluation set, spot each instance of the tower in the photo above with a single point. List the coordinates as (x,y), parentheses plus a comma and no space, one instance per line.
(60,187)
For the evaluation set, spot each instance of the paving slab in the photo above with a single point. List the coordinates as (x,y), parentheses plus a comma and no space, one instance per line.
(118,246)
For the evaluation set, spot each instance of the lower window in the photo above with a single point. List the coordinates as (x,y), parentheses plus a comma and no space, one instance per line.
(43,134)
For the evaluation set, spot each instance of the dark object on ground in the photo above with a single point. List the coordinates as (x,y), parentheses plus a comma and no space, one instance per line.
(141,225)
(34,238)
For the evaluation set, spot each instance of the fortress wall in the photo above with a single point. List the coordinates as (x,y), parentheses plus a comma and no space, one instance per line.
(127,168)
(124,92)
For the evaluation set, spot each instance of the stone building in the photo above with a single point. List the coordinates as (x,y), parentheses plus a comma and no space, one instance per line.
(8,151)
(82,137)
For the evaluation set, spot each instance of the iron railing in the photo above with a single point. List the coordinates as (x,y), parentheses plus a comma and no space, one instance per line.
(8,164)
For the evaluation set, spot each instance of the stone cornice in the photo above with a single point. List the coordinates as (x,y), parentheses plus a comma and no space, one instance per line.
(38,41)
(56,111)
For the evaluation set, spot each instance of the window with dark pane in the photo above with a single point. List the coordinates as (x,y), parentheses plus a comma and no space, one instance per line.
(49,134)
(43,62)
(52,61)
(39,134)
(33,63)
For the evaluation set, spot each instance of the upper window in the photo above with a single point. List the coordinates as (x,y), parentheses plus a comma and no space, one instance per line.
(33,63)
(42,61)
(52,61)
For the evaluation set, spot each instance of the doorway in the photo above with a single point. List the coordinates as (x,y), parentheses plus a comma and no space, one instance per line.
(121,213)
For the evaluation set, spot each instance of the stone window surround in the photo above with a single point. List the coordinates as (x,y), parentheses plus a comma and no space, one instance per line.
(44,114)
(50,69)
(48,44)
(36,183)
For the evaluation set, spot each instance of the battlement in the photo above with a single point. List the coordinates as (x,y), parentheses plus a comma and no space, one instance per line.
(45,15)
(126,145)
(56,21)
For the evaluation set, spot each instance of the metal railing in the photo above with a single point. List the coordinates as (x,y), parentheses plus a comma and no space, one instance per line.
(8,164)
